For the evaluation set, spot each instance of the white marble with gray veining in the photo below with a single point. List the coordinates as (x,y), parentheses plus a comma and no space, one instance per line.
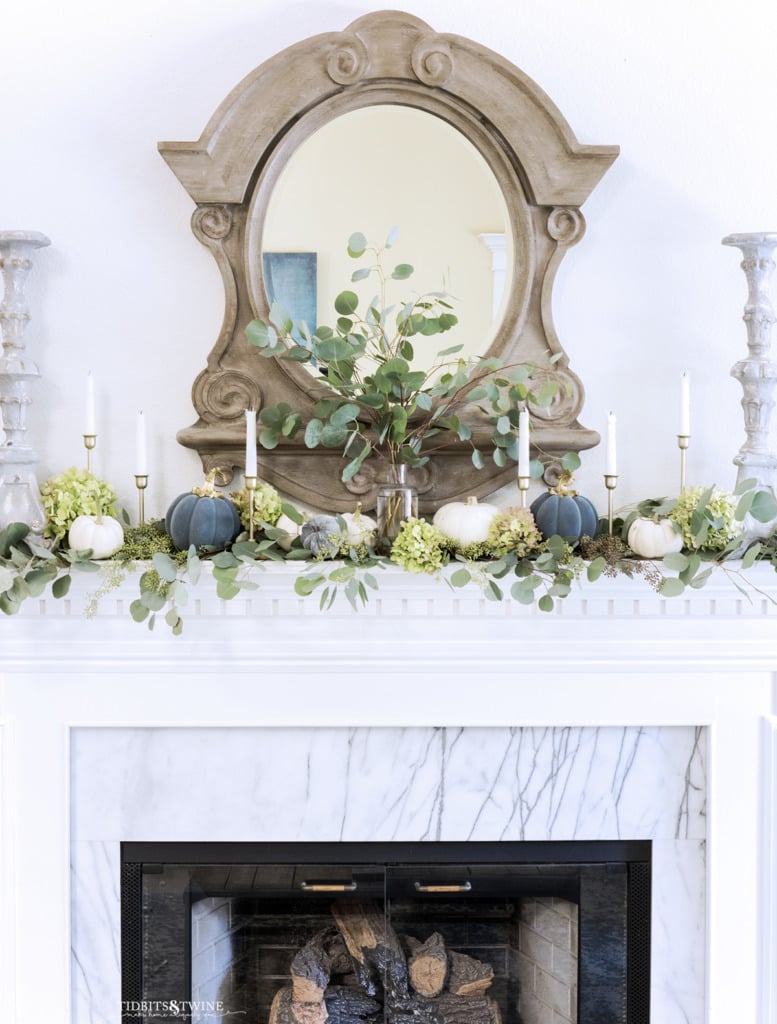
(388,784)
(383,784)
(95,931)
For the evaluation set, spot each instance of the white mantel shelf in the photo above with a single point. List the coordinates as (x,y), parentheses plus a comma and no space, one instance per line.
(420,619)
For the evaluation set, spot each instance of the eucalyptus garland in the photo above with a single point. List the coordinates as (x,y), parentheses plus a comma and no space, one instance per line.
(513,563)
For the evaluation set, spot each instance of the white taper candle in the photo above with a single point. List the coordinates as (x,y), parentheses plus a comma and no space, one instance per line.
(141,447)
(250,469)
(89,426)
(685,405)
(611,468)
(523,443)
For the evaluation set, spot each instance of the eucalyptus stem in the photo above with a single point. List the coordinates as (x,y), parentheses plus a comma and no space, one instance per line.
(382,405)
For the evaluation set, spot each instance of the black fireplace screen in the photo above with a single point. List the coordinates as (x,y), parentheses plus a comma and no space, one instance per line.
(386,933)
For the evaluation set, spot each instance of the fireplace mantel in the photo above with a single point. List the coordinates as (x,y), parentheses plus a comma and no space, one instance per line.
(420,656)
(613,622)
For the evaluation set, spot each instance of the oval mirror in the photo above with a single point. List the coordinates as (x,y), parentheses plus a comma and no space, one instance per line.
(264,179)
(372,169)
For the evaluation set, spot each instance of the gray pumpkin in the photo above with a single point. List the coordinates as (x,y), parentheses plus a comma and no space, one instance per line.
(321,535)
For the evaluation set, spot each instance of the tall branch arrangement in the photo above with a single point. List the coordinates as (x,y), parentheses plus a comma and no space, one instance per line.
(370,399)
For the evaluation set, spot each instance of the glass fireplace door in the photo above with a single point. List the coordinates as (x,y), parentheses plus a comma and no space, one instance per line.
(391,941)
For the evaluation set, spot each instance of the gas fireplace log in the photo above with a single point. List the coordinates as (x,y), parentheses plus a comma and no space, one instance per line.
(287,1010)
(468,977)
(309,1013)
(428,966)
(280,1008)
(349,1006)
(363,927)
(310,971)
(450,1009)
(365,958)
(446,1009)
(312,967)
(340,959)
(374,948)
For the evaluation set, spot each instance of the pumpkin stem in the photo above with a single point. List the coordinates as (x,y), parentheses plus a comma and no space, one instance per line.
(564,486)
(472,500)
(208,489)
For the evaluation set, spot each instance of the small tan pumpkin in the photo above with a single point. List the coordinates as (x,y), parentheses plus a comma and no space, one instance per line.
(465,522)
(103,535)
(653,538)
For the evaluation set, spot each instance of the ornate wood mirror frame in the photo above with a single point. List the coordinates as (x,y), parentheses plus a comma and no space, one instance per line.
(383,58)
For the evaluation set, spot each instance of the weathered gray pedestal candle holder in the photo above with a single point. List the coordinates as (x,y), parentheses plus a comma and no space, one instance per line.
(20,499)
(758,372)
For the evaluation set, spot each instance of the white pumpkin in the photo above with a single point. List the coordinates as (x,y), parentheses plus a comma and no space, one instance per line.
(103,535)
(361,528)
(465,522)
(650,538)
(290,528)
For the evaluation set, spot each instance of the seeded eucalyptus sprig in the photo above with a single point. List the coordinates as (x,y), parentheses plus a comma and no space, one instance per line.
(28,567)
(165,587)
(541,579)
(370,399)
(351,580)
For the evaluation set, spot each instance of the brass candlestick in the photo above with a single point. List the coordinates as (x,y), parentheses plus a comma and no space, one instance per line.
(610,482)
(251,488)
(90,442)
(141,482)
(523,487)
(683,443)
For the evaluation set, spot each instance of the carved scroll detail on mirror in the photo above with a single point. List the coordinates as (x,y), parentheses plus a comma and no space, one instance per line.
(432,63)
(224,395)
(544,174)
(346,64)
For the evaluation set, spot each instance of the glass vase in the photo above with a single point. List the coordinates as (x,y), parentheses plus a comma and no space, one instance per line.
(396,502)
(20,501)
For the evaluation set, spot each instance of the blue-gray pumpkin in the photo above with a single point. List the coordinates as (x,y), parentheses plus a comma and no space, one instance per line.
(203,520)
(565,513)
(321,535)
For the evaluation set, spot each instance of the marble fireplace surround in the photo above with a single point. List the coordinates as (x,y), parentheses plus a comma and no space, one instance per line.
(432,715)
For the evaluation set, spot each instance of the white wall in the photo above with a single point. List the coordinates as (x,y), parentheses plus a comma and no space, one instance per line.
(685,88)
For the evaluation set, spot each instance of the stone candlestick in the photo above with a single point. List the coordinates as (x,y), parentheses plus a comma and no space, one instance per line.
(19,494)
(757,373)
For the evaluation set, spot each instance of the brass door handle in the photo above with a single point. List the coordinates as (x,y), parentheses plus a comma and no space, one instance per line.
(443,887)
(328,886)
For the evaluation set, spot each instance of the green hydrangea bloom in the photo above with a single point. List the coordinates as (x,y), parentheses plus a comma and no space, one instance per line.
(73,493)
(267,504)
(719,513)
(513,529)
(419,547)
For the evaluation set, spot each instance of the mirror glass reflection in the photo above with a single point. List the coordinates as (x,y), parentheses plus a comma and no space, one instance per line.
(375,168)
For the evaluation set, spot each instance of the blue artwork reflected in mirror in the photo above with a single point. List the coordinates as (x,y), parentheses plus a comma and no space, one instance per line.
(290,279)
